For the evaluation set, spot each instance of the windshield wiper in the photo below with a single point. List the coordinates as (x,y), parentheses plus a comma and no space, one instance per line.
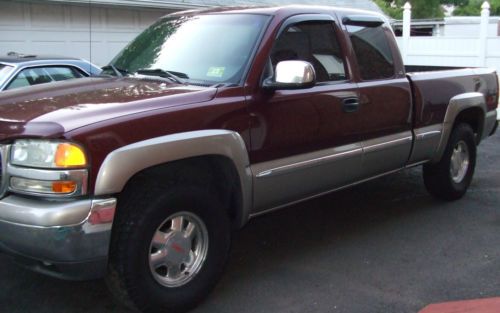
(118,71)
(175,76)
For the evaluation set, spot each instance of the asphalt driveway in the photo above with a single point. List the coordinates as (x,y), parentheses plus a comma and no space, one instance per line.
(385,246)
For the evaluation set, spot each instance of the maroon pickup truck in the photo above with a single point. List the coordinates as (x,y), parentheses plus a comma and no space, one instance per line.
(209,118)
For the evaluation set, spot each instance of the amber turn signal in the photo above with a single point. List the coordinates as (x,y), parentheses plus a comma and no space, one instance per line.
(69,155)
(63,186)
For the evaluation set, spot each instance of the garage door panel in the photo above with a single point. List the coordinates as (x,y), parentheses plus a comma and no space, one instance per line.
(79,17)
(51,47)
(147,18)
(18,46)
(119,18)
(12,14)
(40,28)
(47,15)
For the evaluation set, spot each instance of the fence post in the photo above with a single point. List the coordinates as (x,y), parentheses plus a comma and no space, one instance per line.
(406,29)
(483,34)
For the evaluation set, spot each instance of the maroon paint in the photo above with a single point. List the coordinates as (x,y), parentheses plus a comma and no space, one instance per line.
(104,114)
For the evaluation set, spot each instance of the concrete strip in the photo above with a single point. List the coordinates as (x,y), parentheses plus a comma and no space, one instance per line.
(491,305)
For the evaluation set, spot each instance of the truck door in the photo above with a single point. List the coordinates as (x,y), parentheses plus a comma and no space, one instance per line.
(305,141)
(384,96)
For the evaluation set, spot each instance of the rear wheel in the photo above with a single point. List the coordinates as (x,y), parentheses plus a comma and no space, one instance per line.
(451,176)
(168,250)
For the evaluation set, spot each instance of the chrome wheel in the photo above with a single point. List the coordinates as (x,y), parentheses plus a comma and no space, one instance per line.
(459,162)
(178,249)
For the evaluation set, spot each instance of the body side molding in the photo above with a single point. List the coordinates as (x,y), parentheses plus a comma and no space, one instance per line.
(121,164)
(458,104)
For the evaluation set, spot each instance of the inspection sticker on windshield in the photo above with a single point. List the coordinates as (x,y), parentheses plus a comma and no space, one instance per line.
(215,71)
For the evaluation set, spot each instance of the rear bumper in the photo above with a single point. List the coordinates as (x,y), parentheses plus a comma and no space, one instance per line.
(38,234)
(490,123)
(494,129)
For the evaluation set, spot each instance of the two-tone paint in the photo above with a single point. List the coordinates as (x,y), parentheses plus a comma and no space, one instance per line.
(286,145)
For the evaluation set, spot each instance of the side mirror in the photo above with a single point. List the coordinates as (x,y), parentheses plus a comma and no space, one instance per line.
(292,75)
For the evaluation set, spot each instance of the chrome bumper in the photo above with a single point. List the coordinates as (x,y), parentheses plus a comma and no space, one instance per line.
(490,123)
(56,238)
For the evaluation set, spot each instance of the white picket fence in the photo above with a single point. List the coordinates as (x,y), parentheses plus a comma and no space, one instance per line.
(451,51)
(455,51)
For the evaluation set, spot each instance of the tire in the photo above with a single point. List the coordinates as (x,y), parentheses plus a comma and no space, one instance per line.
(137,278)
(450,177)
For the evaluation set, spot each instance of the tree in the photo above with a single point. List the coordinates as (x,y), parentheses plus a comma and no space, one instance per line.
(473,8)
(420,8)
(396,12)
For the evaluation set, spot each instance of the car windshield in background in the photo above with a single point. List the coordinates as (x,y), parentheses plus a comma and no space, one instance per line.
(4,70)
(204,49)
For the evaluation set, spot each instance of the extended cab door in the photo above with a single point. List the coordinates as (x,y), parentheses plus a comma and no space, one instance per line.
(385,95)
(305,141)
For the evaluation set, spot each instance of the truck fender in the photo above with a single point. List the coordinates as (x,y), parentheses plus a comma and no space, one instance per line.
(458,104)
(123,163)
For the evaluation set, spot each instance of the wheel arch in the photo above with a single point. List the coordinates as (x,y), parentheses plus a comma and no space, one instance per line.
(221,152)
(467,108)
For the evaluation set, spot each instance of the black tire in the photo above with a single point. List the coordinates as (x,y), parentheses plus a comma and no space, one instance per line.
(140,213)
(438,178)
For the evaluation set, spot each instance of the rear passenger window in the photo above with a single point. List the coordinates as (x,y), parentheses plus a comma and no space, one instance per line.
(373,52)
(63,73)
(314,42)
(29,77)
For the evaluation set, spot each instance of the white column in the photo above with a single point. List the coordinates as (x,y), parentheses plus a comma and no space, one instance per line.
(483,33)
(406,30)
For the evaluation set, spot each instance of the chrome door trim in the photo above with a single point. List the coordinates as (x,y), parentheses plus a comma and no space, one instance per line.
(425,135)
(387,153)
(307,163)
(287,179)
(391,142)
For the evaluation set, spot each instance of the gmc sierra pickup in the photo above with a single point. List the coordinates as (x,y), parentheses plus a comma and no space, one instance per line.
(209,118)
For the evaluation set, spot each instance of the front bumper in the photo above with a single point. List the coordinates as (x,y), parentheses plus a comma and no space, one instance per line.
(54,237)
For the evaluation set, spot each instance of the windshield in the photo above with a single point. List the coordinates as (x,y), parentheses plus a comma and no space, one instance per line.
(204,49)
(4,71)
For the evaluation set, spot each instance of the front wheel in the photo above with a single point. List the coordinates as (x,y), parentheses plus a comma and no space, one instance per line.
(168,253)
(451,176)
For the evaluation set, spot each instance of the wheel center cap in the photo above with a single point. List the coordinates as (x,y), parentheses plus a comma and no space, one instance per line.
(178,248)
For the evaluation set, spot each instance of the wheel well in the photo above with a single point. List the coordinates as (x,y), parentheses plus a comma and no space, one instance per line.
(215,174)
(475,118)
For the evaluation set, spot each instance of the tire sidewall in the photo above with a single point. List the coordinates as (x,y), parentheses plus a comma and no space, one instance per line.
(462,132)
(143,288)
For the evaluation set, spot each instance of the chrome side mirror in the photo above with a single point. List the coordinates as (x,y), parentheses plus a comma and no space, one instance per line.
(292,75)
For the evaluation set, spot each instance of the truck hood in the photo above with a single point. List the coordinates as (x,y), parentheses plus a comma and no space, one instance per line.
(49,110)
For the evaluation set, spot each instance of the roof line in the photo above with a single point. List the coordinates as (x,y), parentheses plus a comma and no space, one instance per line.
(137,3)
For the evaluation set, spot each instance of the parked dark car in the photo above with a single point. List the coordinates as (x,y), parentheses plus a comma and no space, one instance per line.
(21,70)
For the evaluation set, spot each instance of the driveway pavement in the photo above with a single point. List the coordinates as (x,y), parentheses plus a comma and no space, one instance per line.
(384,246)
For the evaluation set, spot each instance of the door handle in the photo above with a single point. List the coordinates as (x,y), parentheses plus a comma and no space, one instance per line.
(350,105)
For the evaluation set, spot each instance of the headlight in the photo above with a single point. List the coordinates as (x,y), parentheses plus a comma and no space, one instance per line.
(47,168)
(47,154)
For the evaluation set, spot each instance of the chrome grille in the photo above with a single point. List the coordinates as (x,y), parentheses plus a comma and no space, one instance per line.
(4,152)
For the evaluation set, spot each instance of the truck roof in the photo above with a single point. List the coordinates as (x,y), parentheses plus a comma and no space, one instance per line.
(276,10)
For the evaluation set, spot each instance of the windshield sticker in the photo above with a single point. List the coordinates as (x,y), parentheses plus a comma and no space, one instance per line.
(215,71)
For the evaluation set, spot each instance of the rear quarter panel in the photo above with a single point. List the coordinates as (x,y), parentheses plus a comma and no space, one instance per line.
(434,90)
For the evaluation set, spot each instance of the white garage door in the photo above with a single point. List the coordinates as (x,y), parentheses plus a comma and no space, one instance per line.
(95,34)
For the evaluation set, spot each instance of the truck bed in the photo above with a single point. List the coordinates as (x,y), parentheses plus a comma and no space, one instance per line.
(429,68)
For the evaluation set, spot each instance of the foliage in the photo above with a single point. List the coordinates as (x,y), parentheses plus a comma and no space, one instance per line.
(473,8)
(420,8)
(395,12)
(432,8)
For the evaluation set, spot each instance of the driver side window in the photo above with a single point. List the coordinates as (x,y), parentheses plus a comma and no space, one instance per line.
(314,42)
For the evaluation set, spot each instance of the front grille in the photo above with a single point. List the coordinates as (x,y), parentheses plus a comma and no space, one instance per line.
(4,152)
